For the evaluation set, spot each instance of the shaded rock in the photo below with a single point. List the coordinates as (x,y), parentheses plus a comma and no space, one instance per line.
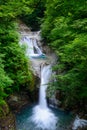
(17,101)
(54,102)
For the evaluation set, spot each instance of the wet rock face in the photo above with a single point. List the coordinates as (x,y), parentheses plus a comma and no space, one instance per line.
(17,101)
(54,101)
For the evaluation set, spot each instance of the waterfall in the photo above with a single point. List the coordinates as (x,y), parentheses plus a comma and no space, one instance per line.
(36,47)
(30,48)
(31,43)
(43,117)
(45,75)
(40,117)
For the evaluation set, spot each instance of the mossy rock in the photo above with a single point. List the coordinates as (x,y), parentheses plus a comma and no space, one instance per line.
(4,108)
(8,122)
(7,119)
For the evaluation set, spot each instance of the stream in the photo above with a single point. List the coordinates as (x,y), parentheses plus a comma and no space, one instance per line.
(41,116)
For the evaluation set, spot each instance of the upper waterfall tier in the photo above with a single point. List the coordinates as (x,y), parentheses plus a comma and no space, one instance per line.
(32,49)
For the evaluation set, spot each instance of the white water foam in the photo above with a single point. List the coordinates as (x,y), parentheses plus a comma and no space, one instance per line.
(79,123)
(44,118)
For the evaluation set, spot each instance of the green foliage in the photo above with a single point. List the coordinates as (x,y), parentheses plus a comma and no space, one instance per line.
(15,73)
(15,62)
(11,9)
(5,81)
(65,29)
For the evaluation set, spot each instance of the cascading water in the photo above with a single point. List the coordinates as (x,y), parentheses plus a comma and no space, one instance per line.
(43,117)
(31,44)
(38,50)
(45,75)
(30,48)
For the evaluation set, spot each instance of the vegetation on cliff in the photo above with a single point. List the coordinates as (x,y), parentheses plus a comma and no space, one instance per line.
(65,30)
(14,66)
